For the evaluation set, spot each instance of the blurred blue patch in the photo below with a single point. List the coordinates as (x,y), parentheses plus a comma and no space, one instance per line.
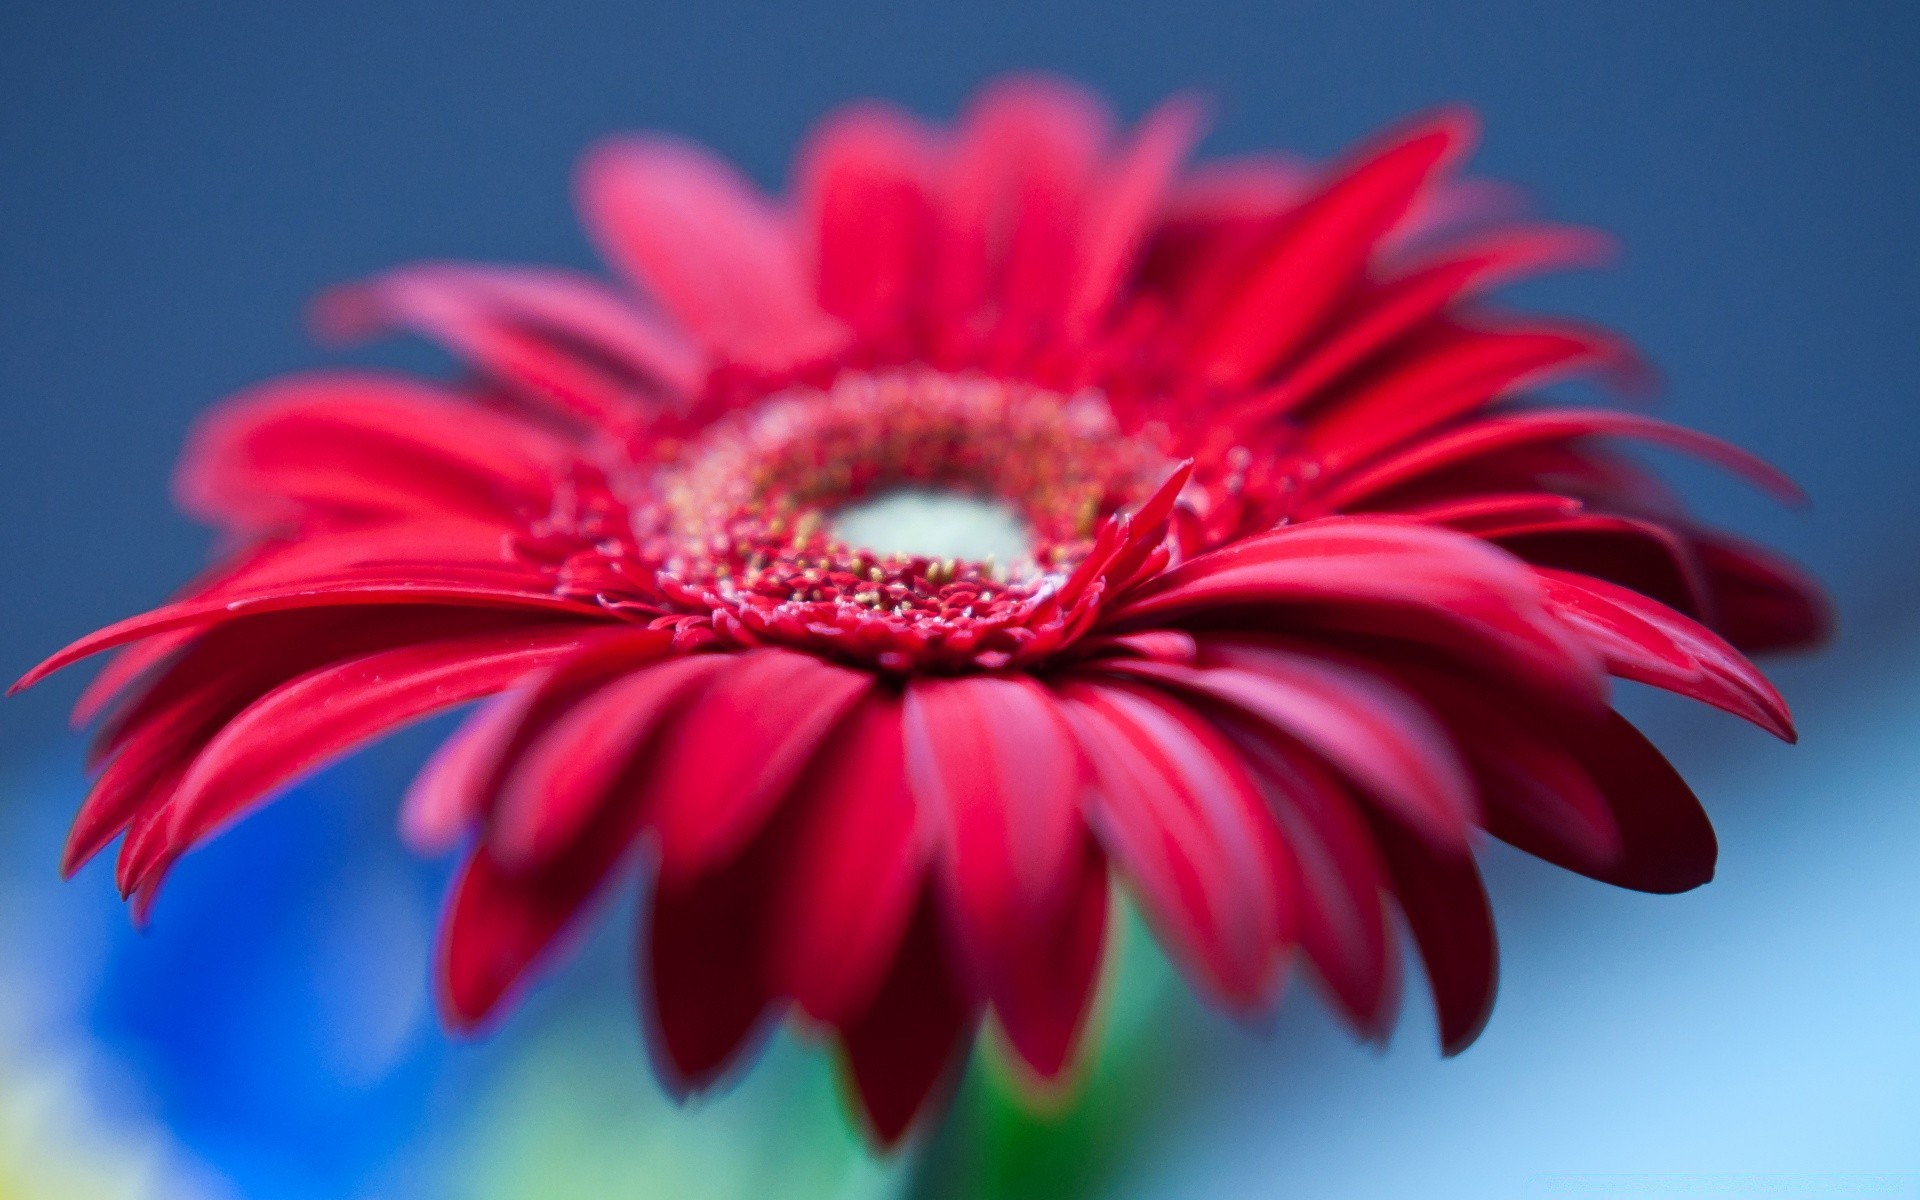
(277,1014)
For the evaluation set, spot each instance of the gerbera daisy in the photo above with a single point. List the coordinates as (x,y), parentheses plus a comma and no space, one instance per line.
(1008,514)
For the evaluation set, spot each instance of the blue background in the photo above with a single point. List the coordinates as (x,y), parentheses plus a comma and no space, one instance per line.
(176,180)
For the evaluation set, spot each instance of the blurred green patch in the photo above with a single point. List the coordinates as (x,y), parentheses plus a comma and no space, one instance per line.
(578,1115)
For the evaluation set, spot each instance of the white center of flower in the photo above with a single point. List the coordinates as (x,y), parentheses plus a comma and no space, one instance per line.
(925,523)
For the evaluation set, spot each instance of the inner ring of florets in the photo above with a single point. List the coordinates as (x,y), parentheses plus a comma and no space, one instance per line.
(742,521)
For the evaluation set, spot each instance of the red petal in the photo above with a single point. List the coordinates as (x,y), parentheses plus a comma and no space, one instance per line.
(435,549)
(560,778)
(1044,998)
(617,651)
(735,753)
(155,737)
(303,723)
(1009,215)
(1761,601)
(1218,220)
(1122,208)
(1373,732)
(141,777)
(1404,305)
(145,857)
(705,968)
(444,800)
(373,594)
(1541,768)
(561,338)
(1667,841)
(1446,908)
(865,178)
(1477,513)
(1512,431)
(1323,251)
(122,671)
(854,873)
(1389,578)
(350,443)
(914,1035)
(1646,641)
(1343,923)
(991,762)
(1456,370)
(1348,558)
(1537,794)
(1176,811)
(499,923)
(714,252)
(995,766)
(1643,556)
(1156,645)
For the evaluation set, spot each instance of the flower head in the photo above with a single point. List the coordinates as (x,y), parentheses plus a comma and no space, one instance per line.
(1294,594)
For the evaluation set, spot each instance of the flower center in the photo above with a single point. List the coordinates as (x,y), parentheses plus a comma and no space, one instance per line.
(906,517)
(919,522)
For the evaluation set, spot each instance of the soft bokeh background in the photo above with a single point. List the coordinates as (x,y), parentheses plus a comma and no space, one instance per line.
(176,180)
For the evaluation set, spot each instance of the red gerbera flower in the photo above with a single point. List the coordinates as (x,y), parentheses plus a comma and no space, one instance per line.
(1296,596)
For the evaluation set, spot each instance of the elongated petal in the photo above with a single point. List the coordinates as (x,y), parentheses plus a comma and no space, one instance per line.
(501,921)
(1324,249)
(1344,927)
(562,339)
(1180,817)
(1667,841)
(866,180)
(1044,997)
(157,734)
(468,781)
(992,762)
(1123,207)
(1540,771)
(733,755)
(375,593)
(362,443)
(1511,431)
(911,1040)
(692,231)
(1013,189)
(121,672)
(1494,510)
(552,790)
(1537,793)
(306,722)
(1446,907)
(1376,734)
(1404,306)
(997,767)
(141,778)
(860,849)
(445,798)
(1457,370)
(1760,601)
(500,924)
(1644,556)
(211,678)
(1395,579)
(705,969)
(1645,640)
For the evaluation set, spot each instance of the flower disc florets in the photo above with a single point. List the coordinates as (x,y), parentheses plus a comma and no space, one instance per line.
(738,523)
